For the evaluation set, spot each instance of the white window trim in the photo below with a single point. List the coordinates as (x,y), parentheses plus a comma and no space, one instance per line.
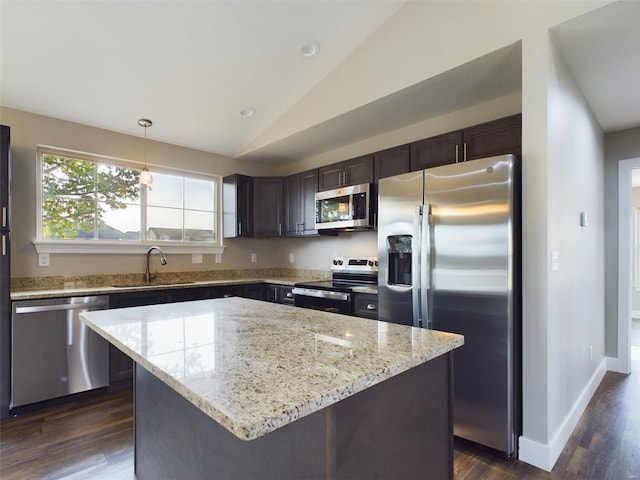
(111,247)
(636,248)
(91,246)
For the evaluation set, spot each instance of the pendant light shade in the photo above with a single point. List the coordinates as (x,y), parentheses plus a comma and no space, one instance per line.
(145,174)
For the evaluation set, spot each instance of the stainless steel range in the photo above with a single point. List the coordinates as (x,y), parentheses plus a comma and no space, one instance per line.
(349,275)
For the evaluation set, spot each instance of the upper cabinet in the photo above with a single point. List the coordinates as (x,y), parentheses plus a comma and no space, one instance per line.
(390,162)
(268,219)
(277,207)
(494,138)
(436,151)
(237,196)
(349,172)
(300,204)
(497,137)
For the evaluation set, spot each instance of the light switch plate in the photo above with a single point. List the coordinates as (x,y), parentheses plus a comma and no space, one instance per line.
(196,258)
(291,258)
(218,258)
(254,257)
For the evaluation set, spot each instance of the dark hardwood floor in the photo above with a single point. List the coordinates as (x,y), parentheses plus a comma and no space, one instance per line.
(93,439)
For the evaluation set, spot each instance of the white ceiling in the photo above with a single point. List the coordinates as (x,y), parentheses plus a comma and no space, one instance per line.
(602,50)
(191,66)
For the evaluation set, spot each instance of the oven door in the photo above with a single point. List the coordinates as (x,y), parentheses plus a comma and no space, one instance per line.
(323,300)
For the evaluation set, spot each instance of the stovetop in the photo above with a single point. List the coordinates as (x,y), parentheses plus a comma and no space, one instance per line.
(348,274)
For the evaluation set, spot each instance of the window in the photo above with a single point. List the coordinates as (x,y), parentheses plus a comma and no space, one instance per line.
(86,199)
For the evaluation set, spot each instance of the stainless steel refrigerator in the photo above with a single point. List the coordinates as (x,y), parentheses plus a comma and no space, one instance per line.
(5,273)
(449,259)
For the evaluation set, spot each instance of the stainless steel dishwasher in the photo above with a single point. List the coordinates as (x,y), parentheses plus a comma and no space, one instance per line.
(53,352)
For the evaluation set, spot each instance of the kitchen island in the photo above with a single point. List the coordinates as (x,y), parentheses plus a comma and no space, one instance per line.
(239,388)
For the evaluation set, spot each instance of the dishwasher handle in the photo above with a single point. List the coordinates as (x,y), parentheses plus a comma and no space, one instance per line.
(64,306)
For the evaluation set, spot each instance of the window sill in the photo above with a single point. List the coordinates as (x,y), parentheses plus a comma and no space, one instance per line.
(80,246)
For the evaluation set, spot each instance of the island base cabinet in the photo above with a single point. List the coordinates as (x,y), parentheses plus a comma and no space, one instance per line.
(401,428)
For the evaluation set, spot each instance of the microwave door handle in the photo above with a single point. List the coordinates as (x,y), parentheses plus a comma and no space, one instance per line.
(416,242)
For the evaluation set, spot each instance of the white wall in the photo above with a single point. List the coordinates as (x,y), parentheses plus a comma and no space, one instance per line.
(576,301)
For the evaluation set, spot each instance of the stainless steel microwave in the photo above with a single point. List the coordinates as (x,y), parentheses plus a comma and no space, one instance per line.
(346,208)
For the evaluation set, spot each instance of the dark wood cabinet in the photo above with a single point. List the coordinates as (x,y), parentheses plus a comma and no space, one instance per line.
(268,204)
(256,291)
(224,291)
(237,197)
(390,162)
(365,305)
(285,294)
(300,203)
(120,364)
(188,294)
(498,137)
(435,151)
(137,299)
(280,294)
(349,172)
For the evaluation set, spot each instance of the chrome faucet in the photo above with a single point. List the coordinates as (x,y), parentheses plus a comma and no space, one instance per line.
(163,261)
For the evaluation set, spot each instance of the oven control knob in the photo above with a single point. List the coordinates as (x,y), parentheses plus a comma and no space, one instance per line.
(340,262)
(376,262)
(335,261)
(370,263)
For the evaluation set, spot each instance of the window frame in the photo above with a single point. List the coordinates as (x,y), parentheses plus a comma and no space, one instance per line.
(117,246)
(636,249)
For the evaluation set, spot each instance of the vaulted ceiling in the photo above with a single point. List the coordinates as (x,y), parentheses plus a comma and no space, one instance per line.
(194,66)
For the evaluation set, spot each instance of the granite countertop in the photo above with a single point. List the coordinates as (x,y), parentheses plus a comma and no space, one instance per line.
(254,366)
(119,287)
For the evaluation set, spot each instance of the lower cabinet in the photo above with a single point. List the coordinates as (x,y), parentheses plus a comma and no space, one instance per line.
(120,365)
(365,305)
(187,294)
(226,291)
(256,291)
(280,294)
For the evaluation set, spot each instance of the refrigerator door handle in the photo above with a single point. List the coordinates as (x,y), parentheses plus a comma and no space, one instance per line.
(416,288)
(427,267)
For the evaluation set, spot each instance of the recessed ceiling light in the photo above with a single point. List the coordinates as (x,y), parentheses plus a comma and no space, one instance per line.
(248,112)
(309,49)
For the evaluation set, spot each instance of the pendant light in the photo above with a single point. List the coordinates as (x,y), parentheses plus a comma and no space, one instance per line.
(145,174)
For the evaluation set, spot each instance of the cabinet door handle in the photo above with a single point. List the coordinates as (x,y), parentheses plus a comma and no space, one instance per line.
(372,306)
(465,151)
(457,152)
(4,244)
(280,229)
(4,216)
(239,229)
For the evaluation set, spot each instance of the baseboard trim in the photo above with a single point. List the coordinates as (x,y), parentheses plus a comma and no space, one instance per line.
(615,365)
(544,456)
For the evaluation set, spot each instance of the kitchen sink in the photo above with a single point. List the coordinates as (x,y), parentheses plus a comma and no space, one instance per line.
(152,284)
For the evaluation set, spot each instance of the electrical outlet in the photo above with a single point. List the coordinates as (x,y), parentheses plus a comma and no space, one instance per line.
(196,258)
(218,258)
(254,257)
(43,260)
(291,258)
